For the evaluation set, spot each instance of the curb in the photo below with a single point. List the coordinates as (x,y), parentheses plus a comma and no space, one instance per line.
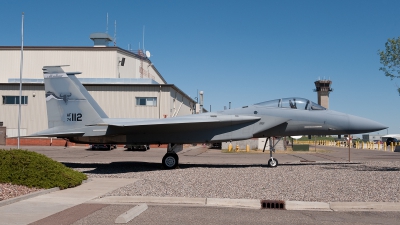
(365,206)
(148,199)
(227,202)
(253,203)
(314,206)
(223,202)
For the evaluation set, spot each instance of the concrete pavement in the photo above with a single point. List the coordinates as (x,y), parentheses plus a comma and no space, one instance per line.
(38,207)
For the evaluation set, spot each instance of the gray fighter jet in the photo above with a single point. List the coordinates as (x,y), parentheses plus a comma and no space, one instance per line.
(73,114)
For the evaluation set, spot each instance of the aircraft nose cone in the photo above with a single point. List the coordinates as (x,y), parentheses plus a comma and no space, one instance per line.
(363,125)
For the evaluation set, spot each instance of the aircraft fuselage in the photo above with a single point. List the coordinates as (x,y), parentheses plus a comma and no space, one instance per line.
(290,122)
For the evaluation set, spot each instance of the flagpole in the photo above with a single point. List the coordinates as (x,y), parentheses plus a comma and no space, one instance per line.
(20,79)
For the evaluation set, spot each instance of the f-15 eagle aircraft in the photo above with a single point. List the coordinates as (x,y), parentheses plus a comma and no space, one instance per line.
(74,114)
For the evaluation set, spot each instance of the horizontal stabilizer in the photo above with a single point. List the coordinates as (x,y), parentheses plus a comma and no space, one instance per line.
(52,133)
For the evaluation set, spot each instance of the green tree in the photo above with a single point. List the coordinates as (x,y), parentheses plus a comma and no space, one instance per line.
(390,59)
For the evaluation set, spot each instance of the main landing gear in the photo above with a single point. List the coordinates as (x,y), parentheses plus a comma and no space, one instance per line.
(272,162)
(171,159)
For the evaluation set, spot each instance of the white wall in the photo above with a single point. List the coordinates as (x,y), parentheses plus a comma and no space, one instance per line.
(32,114)
(96,64)
(117,101)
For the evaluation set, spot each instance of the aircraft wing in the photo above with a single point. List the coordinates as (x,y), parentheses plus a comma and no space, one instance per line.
(178,124)
(231,119)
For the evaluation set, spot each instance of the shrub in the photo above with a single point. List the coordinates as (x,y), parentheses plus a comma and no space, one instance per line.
(32,169)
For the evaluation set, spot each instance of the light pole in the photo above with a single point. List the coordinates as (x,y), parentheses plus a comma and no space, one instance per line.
(20,79)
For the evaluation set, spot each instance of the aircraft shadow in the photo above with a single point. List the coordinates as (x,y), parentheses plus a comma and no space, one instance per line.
(116,167)
(133,166)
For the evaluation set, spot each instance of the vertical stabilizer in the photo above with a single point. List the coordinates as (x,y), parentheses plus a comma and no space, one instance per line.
(85,93)
(66,104)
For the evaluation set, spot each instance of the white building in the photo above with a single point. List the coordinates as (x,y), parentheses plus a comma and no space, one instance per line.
(372,137)
(125,84)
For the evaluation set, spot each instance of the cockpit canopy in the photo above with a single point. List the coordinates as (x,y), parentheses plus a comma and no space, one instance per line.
(292,103)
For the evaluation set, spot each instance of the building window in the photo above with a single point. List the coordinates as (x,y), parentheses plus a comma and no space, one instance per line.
(12,100)
(150,101)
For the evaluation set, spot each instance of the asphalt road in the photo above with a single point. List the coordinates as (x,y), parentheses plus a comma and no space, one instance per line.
(172,214)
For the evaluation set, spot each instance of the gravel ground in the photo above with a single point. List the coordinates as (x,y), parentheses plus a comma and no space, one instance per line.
(322,181)
(11,191)
(327,182)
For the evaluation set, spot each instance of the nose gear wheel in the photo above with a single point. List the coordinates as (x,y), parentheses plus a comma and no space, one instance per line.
(273,162)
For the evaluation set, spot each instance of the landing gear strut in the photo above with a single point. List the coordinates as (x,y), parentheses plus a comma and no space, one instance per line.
(272,162)
(171,159)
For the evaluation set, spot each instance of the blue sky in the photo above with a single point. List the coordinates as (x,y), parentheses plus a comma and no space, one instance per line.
(242,52)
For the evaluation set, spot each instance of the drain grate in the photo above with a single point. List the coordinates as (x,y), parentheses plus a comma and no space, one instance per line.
(272,204)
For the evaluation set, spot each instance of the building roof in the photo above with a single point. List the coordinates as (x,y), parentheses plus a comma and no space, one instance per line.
(91,81)
(86,48)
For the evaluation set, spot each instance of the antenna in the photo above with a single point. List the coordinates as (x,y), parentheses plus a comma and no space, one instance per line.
(143,38)
(115,33)
(107,25)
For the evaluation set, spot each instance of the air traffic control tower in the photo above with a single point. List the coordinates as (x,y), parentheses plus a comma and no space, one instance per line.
(323,88)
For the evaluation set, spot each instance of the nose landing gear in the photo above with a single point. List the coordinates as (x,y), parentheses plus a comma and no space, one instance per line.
(272,162)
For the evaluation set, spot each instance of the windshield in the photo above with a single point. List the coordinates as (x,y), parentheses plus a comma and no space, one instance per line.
(272,103)
(295,103)
(315,106)
(292,103)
